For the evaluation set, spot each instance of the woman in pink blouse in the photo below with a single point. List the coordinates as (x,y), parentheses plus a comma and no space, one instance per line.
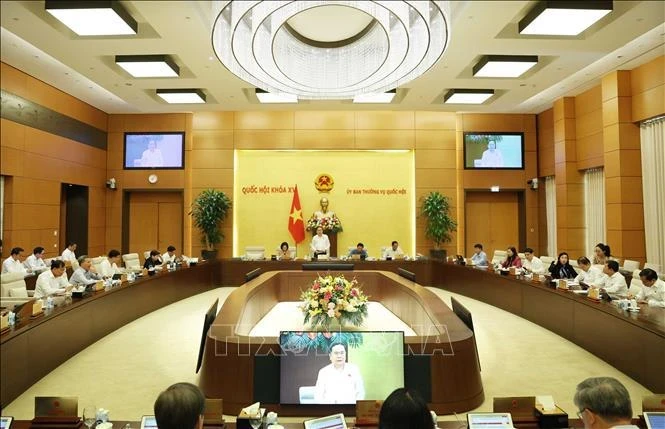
(512,259)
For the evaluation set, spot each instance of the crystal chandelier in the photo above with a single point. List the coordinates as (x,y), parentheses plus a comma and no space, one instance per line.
(404,39)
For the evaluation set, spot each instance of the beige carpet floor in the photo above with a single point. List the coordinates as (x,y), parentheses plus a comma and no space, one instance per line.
(125,371)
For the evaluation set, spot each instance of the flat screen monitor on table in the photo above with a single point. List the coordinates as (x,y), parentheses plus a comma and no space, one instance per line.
(654,420)
(371,365)
(494,151)
(5,422)
(154,151)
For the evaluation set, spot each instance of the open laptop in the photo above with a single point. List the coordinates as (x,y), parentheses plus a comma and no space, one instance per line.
(148,422)
(6,422)
(655,420)
(336,421)
(489,421)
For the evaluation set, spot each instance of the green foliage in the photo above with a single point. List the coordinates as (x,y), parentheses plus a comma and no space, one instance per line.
(298,342)
(209,210)
(484,139)
(435,208)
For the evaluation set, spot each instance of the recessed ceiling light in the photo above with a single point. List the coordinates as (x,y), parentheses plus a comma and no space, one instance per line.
(467,96)
(563,18)
(182,96)
(148,65)
(93,18)
(275,97)
(381,97)
(504,65)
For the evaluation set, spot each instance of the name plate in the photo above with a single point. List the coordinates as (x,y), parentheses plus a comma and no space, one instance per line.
(594,293)
(99,285)
(37,308)
(4,321)
(367,413)
(212,413)
(562,284)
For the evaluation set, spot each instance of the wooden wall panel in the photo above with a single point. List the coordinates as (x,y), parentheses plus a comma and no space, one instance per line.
(589,129)
(647,84)
(37,163)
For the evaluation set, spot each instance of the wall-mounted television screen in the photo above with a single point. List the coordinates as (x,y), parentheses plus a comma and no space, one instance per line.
(494,151)
(154,150)
(339,367)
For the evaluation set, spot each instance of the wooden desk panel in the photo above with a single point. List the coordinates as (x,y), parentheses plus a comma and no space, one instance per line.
(33,348)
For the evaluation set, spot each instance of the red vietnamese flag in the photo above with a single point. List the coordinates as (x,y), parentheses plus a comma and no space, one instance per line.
(296,222)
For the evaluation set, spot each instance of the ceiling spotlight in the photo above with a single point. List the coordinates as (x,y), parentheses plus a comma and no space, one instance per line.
(381,97)
(467,96)
(93,18)
(148,65)
(182,96)
(563,18)
(275,97)
(504,65)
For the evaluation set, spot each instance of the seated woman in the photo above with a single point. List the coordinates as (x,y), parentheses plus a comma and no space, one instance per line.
(562,269)
(601,254)
(512,259)
(284,253)
(405,409)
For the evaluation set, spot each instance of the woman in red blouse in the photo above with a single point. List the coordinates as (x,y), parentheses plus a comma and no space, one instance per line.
(512,259)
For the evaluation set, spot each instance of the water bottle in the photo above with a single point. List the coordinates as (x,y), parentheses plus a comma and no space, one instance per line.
(49,302)
(11,318)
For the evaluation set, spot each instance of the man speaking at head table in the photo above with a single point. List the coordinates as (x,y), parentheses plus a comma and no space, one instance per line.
(320,243)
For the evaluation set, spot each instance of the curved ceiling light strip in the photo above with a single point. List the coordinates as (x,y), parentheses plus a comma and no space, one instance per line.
(408,37)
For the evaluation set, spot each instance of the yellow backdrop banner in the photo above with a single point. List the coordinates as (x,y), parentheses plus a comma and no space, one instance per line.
(373,196)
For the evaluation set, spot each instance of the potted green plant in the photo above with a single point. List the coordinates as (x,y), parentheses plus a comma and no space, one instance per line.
(435,208)
(209,210)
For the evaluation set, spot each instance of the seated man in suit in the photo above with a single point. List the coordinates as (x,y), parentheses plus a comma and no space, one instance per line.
(653,289)
(613,282)
(53,281)
(603,403)
(35,262)
(13,263)
(532,263)
(83,276)
(359,250)
(394,251)
(479,257)
(180,406)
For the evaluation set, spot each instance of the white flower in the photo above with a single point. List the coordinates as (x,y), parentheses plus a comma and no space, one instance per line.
(314,303)
(331,306)
(331,313)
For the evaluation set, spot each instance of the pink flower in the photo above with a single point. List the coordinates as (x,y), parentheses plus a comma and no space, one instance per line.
(327,296)
(354,292)
(316,286)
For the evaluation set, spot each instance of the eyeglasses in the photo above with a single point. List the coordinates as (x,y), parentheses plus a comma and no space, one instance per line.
(580,413)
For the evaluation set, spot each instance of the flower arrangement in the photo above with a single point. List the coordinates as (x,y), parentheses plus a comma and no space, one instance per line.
(331,299)
(328,223)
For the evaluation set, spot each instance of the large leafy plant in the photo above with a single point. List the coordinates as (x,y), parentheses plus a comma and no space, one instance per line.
(435,208)
(209,210)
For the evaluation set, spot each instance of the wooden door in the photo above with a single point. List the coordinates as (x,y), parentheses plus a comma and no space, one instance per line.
(492,219)
(155,221)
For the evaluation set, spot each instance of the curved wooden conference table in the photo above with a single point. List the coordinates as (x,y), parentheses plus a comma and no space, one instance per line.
(443,345)
(633,343)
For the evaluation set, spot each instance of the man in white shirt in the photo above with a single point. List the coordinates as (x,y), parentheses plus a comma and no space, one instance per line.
(83,276)
(479,257)
(169,256)
(394,251)
(532,263)
(35,262)
(603,403)
(13,263)
(340,382)
(653,289)
(109,266)
(68,254)
(492,157)
(320,243)
(589,273)
(53,281)
(613,282)
(152,157)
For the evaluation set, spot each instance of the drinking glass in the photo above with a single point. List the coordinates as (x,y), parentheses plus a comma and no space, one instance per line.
(89,416)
